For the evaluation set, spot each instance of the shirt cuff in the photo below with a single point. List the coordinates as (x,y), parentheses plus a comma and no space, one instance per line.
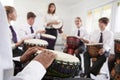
(13,46)
(33,71)
(106,48)
(16,59)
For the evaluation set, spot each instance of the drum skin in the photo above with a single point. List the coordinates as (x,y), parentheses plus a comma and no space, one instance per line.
(93,50)
(27,46)
(34,42)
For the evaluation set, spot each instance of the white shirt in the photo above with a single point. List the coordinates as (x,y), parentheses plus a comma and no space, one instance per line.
(33,71)
(108,38)
(83,32)
(25,32)
(48,18)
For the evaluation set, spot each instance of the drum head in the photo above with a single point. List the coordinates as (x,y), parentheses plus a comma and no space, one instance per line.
(48,36)
(59,25)
(37,42)
(64,57)
(94,44)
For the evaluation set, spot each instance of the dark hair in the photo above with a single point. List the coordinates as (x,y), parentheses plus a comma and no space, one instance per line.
(30,15)
(79,19)
(9,9)
(49,8)
(104,20)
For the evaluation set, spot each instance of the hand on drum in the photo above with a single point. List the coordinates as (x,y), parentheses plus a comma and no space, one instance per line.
(27,55)
(101,51)
(45,58)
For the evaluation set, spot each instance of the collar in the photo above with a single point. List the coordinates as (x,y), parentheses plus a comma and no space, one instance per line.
(103,30)
(81,27)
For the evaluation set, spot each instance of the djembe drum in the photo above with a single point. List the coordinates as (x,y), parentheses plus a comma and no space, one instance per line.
(117,48)
(115,73)
(72,44)
(34,42)
(116,70)
(50,39)
(65,65)
(93,49)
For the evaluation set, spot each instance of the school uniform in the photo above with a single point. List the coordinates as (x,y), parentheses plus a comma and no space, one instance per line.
(28,31)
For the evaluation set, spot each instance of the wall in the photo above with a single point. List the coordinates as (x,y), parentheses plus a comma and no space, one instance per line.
(82,8)
(40,8)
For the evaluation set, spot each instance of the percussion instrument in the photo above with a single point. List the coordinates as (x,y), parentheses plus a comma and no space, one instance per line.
(117,48)
(115,73)
(72,44)
(58,26)
(93,49)
(50,39)
(34,42)
(65,65)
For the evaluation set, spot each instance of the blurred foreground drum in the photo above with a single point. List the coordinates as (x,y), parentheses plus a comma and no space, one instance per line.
(93,49)
(65,65)
(34,42)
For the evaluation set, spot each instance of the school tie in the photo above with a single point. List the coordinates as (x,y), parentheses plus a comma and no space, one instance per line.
(14,35)
(101,38)
(31,29)
(78,33)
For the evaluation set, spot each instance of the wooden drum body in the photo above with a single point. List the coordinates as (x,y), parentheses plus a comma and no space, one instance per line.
(93,49)
(72,44)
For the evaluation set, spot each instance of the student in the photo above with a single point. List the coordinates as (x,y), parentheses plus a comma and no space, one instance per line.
(29,31)
(35,70)
(16,42)
(99,36)
(81,33)
(51,19)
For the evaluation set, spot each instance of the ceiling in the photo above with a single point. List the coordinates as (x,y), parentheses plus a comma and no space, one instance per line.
(67,2)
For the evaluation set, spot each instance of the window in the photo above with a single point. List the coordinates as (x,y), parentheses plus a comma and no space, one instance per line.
(117,27)
(95,14)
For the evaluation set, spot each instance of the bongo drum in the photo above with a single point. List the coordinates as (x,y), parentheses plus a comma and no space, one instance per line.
(65,65)
(50,39)
(117,48)
(72,44)
(34,42)
(93,49)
